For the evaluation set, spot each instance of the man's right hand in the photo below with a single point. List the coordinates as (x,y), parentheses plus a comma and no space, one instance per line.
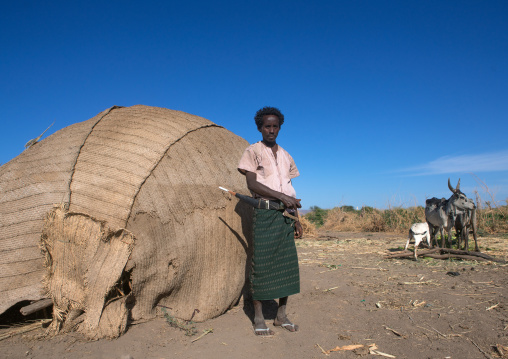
(290,202)
(262,190)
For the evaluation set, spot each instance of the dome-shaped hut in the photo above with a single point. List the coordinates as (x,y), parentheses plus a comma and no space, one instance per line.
(130,215)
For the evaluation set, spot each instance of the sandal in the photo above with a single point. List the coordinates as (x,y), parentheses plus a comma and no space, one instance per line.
(260,330)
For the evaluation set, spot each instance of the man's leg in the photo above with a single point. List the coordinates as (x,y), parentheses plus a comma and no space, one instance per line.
(260,327)
(282,320)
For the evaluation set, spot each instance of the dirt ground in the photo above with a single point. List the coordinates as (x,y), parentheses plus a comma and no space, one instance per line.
(349,295)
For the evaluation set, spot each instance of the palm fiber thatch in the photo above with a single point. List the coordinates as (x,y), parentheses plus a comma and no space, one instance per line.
(130,215)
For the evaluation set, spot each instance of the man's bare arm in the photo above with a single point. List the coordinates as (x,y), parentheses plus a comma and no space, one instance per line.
(263,190)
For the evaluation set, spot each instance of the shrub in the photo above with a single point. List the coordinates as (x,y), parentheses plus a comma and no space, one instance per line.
(491,218)
(369,219)
(348,209)
(317,216)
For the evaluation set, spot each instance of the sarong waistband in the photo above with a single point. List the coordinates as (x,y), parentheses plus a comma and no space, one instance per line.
(270,204)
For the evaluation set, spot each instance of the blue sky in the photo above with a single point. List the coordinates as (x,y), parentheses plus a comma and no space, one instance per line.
(384,100)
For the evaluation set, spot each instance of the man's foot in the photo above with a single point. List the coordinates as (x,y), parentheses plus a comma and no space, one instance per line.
(286,324)
(264,332)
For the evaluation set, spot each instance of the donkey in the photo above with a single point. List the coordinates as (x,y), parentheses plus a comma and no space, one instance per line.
(441,214)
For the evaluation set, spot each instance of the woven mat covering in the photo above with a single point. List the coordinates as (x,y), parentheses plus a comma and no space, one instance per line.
(150,171)
(85,259)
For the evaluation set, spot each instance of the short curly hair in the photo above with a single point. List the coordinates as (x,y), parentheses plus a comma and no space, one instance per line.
(265,111)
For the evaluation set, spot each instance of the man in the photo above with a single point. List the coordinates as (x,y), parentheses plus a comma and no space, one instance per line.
(268,169)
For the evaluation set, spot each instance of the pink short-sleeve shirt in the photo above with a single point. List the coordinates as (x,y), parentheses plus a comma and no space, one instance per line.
(275,173)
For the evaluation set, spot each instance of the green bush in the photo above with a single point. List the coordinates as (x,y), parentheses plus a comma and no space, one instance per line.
(317,216)
(350,209)
(367,209)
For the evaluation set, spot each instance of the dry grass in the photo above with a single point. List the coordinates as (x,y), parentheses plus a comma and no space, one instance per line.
(24,328)
(309,229)
(492,218)
(373,220)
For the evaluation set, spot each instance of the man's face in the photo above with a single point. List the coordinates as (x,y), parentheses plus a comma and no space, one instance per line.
(270,128)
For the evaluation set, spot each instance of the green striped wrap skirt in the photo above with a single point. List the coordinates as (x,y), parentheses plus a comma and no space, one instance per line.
(275,272)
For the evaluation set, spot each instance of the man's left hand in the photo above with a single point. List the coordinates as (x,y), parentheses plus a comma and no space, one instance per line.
(298,230)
